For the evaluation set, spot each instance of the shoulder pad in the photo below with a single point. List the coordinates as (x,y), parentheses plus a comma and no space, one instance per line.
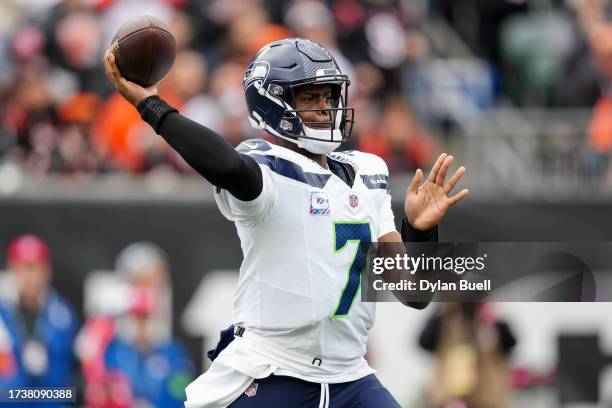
(343,157)
(368,163)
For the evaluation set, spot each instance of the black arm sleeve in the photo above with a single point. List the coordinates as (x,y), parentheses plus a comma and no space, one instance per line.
(209,153)
(410,234)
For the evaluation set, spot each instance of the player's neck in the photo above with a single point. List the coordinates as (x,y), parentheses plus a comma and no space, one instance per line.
(320,159)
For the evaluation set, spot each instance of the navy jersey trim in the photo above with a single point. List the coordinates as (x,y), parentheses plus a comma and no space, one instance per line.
(376,181)
(291,170)
(344,170)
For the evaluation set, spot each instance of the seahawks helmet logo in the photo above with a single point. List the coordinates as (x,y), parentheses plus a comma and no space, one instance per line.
(258,71)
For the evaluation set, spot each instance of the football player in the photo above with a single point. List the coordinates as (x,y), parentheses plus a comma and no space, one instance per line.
(301,211)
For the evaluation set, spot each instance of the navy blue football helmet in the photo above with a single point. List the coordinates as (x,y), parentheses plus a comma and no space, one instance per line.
(269,88)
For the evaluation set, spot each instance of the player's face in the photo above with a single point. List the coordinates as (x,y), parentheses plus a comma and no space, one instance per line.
(315,97)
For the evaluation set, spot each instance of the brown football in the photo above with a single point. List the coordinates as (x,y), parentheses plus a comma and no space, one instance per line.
(144,50)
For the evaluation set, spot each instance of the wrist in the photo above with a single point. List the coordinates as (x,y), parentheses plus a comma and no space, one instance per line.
(153,110)
(413,225)
(413,234)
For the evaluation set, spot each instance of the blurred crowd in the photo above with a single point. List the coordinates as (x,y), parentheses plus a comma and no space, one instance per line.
(58,113)
(123,356)
(472,344)
(547,54)
(410,88)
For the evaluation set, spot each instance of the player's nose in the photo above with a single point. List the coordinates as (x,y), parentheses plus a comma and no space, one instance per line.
(323,104)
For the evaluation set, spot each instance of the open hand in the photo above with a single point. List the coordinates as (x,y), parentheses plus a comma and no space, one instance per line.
(426,204)
(131,91)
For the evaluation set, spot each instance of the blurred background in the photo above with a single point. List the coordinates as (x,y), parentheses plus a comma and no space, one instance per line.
(126,271)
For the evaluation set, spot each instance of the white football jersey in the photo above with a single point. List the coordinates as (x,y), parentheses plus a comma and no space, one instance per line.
(298,292)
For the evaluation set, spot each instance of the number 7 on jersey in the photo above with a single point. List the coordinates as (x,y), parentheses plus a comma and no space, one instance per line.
(357,232)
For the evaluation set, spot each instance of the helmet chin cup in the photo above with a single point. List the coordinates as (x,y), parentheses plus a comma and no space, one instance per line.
(319,141)
(323,135)
(317,146)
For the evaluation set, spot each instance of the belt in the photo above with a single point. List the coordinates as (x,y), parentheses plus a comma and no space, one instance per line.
(239,331)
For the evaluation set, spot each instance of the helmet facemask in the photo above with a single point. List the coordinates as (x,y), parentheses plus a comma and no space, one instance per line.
(326,134)
(270,84)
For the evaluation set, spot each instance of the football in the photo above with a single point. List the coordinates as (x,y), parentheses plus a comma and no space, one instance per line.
(144,50)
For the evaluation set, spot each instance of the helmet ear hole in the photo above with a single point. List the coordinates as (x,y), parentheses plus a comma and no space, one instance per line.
(276,90)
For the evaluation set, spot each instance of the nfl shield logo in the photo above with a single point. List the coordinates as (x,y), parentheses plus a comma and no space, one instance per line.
(353,201)
(252,390)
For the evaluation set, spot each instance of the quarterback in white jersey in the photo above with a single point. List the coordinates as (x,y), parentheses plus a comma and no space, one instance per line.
(301,212)
(298,285)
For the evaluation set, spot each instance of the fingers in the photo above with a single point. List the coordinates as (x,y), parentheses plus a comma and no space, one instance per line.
(114,69)
(444,170)
(454,179)
(111,70)
(154,88)
(107,66)
(458,197)
(434,171)
(416,181)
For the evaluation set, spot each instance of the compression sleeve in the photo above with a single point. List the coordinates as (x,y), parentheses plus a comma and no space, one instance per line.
(411,234)
(209,153)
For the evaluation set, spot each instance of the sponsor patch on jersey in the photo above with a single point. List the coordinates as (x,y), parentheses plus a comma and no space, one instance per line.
(319,203)
(353,201)
(252,390)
